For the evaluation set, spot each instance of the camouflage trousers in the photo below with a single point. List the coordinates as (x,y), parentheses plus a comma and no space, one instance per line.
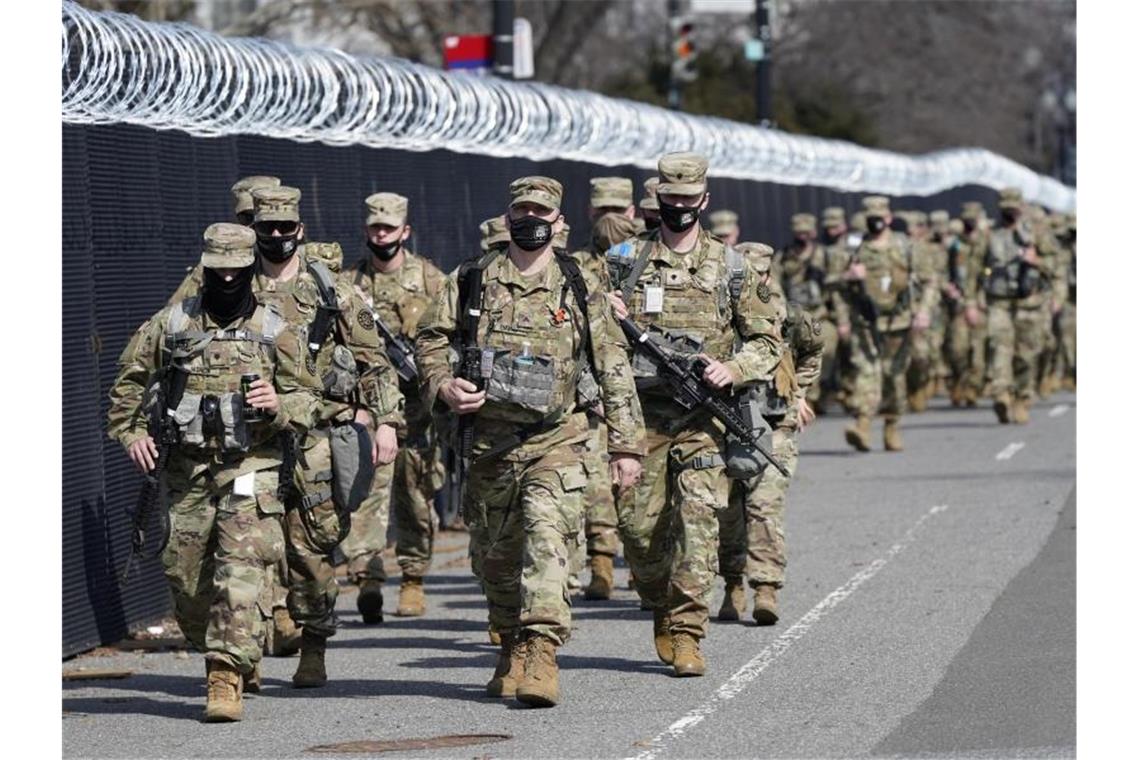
(418,475)
(956,348)
(601,511)
(1067,342)
(752,528)
(668,521)
(925,356)
(977,377)
(523,517)
(1014,345)
(828,382)
(219,546)
(880,373)
(363,548)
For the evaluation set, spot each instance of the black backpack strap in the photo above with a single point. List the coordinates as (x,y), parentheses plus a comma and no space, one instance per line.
(630,281)
(471,291)
(577,285)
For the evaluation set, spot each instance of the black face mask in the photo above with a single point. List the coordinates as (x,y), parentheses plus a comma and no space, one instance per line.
(969,225)
(828,238)
(678,218)
(277,249)
(876,224)
(1009,216)
(531,233)
(245,218)
(652,223)
(385,252)
(227,301)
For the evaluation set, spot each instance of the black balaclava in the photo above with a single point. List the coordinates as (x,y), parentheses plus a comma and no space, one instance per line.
(227,301)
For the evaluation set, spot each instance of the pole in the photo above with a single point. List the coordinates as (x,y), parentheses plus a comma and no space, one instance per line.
(674,8)
(503,38)
(763,66)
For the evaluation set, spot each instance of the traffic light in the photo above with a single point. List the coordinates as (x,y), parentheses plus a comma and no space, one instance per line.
(684,66)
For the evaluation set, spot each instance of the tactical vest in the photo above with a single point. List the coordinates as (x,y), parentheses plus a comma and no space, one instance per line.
(1006,275)
(888,276)
(696,310)
(802,280)
(529,347)
(210,413)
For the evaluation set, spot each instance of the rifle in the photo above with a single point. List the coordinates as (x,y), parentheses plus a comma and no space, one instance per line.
(691,391)
(866,308)
(163,429)
(471,369)
(400,352)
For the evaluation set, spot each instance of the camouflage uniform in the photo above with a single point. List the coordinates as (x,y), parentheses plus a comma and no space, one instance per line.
(523,497)
(810,277)
(752,528)
(1065,290)
(892,273)
(926,349)
(221,491)
(838,250)
(668,523)
(649,206)
(724,225)
(966,344)
(1015,296)
(399,299)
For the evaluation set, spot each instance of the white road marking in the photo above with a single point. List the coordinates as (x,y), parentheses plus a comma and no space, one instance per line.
(758,664)
(1058,410)
(1009,451)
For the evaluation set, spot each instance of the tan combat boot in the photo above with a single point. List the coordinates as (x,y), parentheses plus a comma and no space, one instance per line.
(539,684)
(687,657)
(892,440)
(311,669)
(251,681)
(370,602)
(286,639)
(1019,411)
(970,396)
(494,636)
(1069,384)
(957,398)
(859,434)
(411,601)
(917,400)
(732,608)
(601,577)
(1001,408)
(662,641)
(223,692)
(509,669)
(764,608)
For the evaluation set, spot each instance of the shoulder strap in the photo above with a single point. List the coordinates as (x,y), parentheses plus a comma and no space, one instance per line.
(325,283)
(577,284)
(469,278)
(630,281)
(734,259)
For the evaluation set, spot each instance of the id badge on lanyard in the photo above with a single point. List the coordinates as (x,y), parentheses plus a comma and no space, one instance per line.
(654,299)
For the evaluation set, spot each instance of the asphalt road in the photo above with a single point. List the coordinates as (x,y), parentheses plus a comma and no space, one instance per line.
(929,612)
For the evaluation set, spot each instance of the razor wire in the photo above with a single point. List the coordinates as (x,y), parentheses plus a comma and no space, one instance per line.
(119,69)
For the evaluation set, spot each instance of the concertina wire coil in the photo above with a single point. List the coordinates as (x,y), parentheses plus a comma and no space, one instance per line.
(118,68)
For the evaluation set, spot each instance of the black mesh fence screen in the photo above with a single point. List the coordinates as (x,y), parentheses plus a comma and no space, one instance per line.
(135,203)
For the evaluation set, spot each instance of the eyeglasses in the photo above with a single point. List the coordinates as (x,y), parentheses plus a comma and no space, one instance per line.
(276,228)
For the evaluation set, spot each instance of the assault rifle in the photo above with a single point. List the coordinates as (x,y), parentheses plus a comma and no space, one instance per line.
(400,352)
(163,429)
(866,308)
(691,391)
(471,370)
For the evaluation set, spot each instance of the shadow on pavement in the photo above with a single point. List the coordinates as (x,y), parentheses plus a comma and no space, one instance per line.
(565,662)
(137,706)
(402,642)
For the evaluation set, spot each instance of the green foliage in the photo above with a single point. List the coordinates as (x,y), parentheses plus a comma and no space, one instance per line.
(824,110)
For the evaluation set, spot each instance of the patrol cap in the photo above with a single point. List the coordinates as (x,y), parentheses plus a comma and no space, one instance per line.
(859,221)
(682,174)
(387,208)
(876,205)
(276,204)
(833,215)
(228,246)
(918,219)
(611,191)
(803,223)
(650,200)
(493,232)
(759,255)
(544,191)
(939,220)
(242,191)
(1009,197)
(956,227)
(723,221)
(972,210)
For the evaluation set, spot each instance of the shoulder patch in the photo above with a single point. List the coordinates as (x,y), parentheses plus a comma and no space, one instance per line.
(620,250)
(764,292)
(816,328)
(364,318)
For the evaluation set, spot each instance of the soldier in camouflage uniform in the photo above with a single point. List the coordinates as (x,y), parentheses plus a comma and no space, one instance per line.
(839,243)
(724,225)
(649,207)
(221,477)
(1064,365)
(968,337)
(346,366)
(692,296)
(1014,289)
(612,212)
(397,285)
(810,276)
(752,528)
(887,309)
(527,477)
(930,262)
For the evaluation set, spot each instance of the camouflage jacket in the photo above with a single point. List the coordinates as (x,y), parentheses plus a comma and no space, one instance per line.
(696,309)
(400,298)
(898,282)
(214,371)
(812,278)
(534,329)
